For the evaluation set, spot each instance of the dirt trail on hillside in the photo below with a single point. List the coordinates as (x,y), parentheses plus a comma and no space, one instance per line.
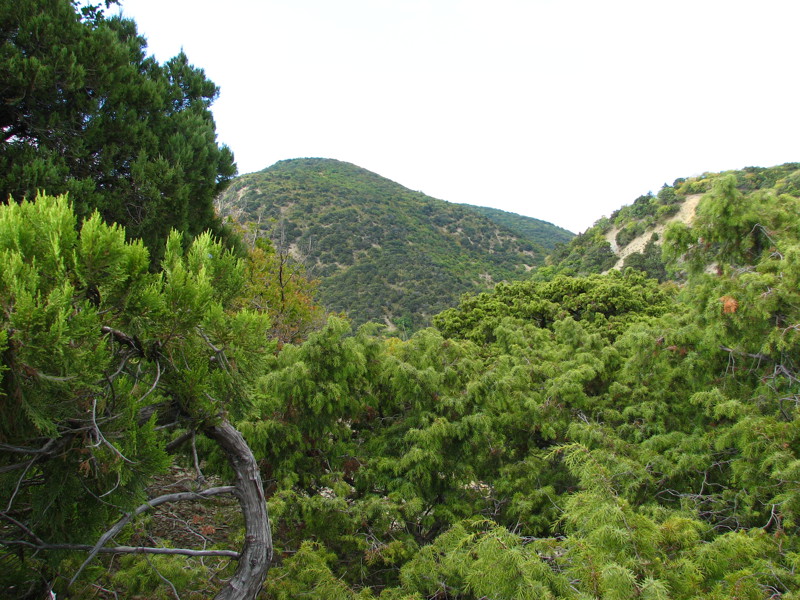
(685,214)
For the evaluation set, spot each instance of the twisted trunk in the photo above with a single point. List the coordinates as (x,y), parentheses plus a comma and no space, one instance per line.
(256,554)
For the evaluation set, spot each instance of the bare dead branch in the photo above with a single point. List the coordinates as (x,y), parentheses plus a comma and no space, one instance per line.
(122,549)
(20,465)
(19,482)
(124,338)
(22,527)
(101,439)
(756,356)
(164,579)
(23,450)
(50,447)
(779,369)
(155,382)
(219,353)
(174,444)
(200,477)
(150,504)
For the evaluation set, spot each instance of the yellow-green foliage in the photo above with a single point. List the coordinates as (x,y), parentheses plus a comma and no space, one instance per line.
(95,349)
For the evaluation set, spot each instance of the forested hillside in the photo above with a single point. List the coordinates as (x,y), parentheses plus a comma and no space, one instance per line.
(542,232)
(381,251)
(631,235)
(180,419)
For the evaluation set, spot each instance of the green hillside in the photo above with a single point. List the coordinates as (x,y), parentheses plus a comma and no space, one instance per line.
(611,242)
(381,251)
(544,233)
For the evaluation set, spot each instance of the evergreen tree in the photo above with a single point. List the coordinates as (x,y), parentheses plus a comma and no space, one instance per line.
(106,368)
(84,110)
(649,261)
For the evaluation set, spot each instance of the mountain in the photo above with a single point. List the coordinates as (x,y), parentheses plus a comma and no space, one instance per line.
(632,235)
(383,252)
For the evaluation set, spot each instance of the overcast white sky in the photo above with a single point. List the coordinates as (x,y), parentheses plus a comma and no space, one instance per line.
(563,110)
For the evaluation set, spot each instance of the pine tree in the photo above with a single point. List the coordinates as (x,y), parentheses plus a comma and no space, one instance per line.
(83,110)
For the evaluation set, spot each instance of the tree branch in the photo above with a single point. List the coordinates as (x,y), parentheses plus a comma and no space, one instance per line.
(51,447)
(747,354)
(122,549)
(143,508)
(25,530)
(124,338)
(174,444)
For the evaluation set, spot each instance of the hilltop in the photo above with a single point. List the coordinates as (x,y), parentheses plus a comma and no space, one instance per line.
(383,252)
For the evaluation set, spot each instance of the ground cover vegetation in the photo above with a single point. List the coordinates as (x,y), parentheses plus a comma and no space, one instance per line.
(567,436)
(409,256)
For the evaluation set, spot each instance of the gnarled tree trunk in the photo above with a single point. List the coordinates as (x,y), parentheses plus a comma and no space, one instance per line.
(256,555)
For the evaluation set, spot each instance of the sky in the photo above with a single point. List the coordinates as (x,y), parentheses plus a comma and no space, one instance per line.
(562,110)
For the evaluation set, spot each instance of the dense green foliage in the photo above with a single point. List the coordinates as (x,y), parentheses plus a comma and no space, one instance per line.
(649,261)
(103,362)
(588,252)
(84,111)
(382,252)
(578,437)
(571,435)
(568,437)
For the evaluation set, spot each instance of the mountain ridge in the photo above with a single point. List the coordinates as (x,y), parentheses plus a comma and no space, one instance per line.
(546,233)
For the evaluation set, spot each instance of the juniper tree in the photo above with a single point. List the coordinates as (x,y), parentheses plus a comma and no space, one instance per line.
(106,369)
(600,440)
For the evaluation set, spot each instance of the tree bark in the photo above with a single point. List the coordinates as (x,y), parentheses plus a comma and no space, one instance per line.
(256,554)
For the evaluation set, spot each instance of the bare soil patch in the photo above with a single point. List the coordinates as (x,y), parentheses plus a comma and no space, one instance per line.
(684,215)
